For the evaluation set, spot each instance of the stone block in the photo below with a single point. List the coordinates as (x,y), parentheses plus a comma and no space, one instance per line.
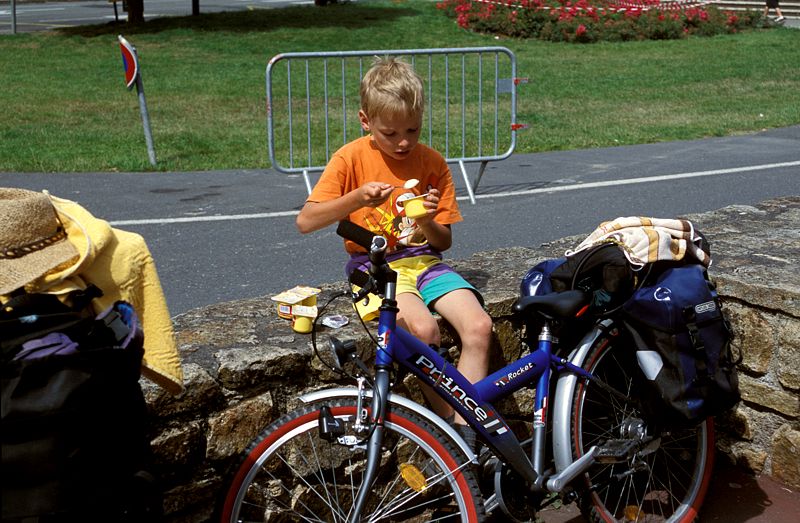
(786,456)
(759,393)
(752,460)
(753,337)
(740,422)
(788,358)
(201,393)
(243,368)
(230,431)
(193,503)
(180,448)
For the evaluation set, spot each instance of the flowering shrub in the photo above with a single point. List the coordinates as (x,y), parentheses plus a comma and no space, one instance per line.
(588,21)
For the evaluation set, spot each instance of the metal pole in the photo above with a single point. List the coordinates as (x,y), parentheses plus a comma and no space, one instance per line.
(148,136)
(13,17)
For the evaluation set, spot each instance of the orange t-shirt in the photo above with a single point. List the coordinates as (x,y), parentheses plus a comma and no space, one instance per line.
(360,162)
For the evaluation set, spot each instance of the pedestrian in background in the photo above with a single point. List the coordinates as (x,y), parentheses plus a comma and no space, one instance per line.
(774,4)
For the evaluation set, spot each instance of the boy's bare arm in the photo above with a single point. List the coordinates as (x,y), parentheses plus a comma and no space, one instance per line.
(439,236)
(316,215)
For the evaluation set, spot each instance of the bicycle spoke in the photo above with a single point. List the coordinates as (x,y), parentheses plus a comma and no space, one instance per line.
(297,476)
(317,472)
(659,484)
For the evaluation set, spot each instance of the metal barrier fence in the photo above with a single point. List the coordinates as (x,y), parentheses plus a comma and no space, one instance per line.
(470,105)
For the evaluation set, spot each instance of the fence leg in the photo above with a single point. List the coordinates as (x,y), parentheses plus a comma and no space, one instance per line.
(307,180)
(480,175)
(466,181)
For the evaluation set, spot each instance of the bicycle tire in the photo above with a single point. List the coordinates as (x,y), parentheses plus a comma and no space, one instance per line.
(289,473)
(673,479)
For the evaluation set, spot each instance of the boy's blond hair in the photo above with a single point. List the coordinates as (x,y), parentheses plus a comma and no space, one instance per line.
(391,87)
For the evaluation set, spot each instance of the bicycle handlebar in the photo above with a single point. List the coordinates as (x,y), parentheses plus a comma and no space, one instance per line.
(376,246)
(355,233)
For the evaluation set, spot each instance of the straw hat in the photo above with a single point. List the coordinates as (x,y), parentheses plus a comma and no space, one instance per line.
(32,239)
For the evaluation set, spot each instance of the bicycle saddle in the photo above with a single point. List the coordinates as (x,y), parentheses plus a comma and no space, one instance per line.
(565,304)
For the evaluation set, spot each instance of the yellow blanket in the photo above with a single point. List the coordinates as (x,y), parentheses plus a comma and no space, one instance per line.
(120,264)
(646,240)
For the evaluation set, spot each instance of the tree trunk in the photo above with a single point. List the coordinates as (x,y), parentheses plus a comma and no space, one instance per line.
(135,11)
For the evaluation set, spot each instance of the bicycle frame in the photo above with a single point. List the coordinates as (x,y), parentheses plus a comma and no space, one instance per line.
(472,401)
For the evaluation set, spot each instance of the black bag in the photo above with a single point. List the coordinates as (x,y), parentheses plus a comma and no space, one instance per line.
(603,271)
(682,341)
(74,420)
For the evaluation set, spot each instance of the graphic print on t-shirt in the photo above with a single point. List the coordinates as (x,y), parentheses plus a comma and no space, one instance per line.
(391,222)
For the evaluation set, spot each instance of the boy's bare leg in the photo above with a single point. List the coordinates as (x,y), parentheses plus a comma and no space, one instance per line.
(474,327)
(415,317)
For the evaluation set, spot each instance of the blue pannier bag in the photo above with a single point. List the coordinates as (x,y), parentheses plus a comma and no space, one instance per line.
(537,282)
(682,340)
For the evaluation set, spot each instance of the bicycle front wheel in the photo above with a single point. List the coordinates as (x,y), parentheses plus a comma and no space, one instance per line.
(666,480)
(291,473)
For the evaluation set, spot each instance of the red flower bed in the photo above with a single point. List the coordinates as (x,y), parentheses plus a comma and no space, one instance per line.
(597,20)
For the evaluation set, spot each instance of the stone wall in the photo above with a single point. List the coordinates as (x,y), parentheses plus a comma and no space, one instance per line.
(244,365)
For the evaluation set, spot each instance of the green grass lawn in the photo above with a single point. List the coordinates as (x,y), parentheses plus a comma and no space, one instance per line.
(65,108)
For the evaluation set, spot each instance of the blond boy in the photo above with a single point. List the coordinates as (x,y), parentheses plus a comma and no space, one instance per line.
(363,183)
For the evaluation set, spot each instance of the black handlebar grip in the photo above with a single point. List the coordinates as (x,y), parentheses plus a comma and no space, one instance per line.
(355,233)
(359,278)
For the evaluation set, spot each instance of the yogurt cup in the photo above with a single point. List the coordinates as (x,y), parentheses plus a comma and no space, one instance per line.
(415,207)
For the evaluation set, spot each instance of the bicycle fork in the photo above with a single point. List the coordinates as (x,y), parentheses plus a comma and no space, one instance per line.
(375,441)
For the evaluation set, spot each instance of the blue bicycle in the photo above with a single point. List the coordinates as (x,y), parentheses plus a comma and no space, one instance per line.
(367,454)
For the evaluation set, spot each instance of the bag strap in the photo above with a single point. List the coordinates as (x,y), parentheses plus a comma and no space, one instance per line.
(700,354)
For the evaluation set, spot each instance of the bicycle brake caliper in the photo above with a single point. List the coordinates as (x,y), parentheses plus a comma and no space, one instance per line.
(362,414)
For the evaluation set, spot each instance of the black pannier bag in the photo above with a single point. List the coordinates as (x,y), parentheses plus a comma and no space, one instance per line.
(74,421)
(682,341)
(603,271)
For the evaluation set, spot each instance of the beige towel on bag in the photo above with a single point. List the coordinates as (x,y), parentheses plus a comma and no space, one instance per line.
(646,240)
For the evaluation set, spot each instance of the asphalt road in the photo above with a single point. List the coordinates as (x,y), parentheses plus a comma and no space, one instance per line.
(43,16)
(221,236)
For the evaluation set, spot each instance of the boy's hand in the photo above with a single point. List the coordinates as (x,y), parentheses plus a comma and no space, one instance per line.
(373,194)
(438,235)
(431,204)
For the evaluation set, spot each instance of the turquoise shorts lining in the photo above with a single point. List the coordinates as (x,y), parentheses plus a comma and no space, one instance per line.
(443,284)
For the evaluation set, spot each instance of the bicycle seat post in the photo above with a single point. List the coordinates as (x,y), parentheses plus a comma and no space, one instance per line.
(540,414)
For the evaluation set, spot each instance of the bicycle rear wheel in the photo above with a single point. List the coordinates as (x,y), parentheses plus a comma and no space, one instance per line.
(291,473)
(666,481)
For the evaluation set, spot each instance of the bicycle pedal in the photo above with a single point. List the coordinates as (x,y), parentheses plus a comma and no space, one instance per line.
(616,450)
